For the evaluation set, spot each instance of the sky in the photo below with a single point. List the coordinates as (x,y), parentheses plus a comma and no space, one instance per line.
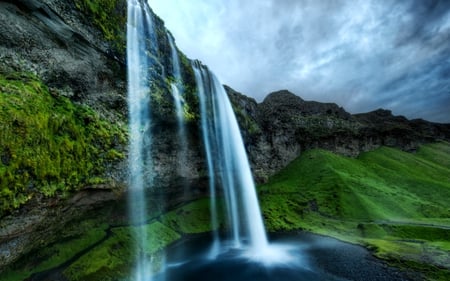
(361,54)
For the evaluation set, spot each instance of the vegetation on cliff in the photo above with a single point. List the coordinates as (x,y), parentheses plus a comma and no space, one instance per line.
(48,144)
(110,17)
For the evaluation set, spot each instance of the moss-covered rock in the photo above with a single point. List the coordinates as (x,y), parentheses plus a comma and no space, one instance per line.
(48,144)
(88,250)
(192,218)
(110,17)
(55,254)
(114,258)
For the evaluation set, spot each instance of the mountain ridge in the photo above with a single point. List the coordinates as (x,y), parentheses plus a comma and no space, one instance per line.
(278,129)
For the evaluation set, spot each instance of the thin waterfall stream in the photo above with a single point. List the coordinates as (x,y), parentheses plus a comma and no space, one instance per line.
(177,90)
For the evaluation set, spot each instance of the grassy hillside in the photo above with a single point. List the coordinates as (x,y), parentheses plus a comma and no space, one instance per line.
(394,202)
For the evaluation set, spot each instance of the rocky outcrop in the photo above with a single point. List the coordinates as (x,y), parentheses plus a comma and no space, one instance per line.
(277,130)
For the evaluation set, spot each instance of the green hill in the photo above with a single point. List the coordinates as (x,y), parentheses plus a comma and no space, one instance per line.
(396,203)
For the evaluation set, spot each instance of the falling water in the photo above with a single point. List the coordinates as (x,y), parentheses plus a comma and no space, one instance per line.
(228,164)
(177,93)
(207,129)
(177,84)
(139,28)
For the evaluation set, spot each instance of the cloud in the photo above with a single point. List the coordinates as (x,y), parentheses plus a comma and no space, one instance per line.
(361,54)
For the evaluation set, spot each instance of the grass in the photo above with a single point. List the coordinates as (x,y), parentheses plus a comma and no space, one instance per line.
(48,144)
(396,203)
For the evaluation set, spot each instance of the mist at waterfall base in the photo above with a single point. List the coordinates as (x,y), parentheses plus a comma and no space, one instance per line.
(242,251)
(312,258)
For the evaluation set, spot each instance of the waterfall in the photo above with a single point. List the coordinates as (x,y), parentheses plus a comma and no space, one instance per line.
(177,90)
(177,84)
(207,129)
(139,28)
(228,164)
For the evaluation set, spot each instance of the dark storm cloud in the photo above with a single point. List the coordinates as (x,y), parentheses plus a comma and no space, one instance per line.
(360,54)
(427,17)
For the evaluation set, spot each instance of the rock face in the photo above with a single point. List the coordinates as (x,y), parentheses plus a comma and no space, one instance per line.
(283,125)
(49,38)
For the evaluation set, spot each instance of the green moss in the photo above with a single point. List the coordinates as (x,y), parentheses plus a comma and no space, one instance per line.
(247,123)
(113,254)
(55,254)
(192,103)
(110,17)
(161,101)
(395,203)
(190,97)
(282,212)
(192,218)
(48,144)
(113,259)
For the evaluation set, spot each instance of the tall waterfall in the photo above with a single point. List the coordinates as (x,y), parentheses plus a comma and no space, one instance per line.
(228,164)
(139,29)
